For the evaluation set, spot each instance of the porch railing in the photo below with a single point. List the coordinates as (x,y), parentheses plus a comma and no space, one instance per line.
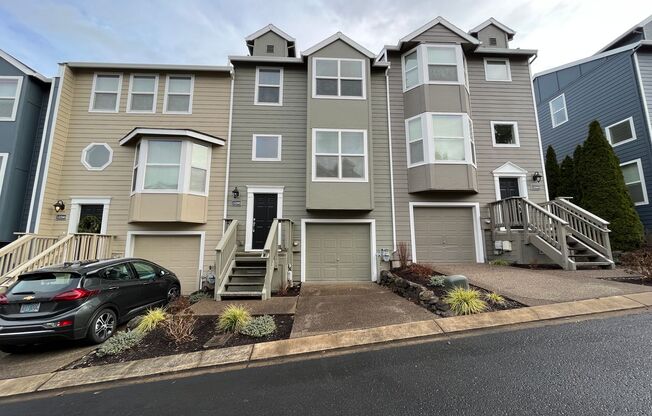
(225,254)
(270,252)
(22,249)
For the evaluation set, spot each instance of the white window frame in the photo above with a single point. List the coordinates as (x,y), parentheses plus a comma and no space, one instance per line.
(94,90)
(639,165)
(565,109)
(4,160)
(185,166)
(339,78)
(155,93)
(509,70)
(339,154)
(429,144)
(75,212)
(631,126)
(514,124)
(92,168)
(280,86)
(167,93)
(16,97)
(424,139)
(422,65)
(279,139)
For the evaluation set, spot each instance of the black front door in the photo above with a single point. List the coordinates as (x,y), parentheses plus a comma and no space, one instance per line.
(508,187)
(90,219)
(264,214)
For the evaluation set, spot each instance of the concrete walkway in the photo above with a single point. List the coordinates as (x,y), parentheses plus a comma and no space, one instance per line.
(540,287)
(324,308)
(41,359)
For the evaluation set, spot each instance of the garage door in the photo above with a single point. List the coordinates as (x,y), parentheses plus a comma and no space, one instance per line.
(179,253)
(338,252)
(444,235)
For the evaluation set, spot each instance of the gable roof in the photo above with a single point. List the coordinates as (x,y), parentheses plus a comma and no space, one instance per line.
(339,36)
(22,67)
(269,28)
(492,21)
(146,131)
(628,32)
(439,21)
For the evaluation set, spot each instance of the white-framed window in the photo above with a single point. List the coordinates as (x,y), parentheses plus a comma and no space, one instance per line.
(89,215)
(621,132)
(445,138)
(4,159)
(10,88)
(558,112)
(143,89)
(635,181)
(505,134)
(433,64)
(105,95)
(97,156)
(338,78)
(179,91)
(497,69)
(339,155)
(269,86)
(171,166)
(266,147)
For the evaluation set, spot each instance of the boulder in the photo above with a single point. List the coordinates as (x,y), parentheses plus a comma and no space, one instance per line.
(426,295)
(134,322)
(456,280)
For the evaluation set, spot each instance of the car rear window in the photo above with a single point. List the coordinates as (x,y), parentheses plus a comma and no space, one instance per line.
(41,283)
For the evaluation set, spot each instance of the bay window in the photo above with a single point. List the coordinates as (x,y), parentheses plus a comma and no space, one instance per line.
(339,155)
(433,64)
(439,138)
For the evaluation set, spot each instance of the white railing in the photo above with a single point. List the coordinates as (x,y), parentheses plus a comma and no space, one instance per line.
(22,249)
(270,252)
(225,255)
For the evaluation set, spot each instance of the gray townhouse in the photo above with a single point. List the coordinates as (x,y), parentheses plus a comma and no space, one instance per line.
(24,110)
(613,86)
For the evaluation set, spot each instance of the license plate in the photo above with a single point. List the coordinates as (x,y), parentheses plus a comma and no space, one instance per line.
(29,307)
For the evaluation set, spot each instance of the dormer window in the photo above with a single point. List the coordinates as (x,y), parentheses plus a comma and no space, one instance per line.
(270,48)
(493,41)
(433,64)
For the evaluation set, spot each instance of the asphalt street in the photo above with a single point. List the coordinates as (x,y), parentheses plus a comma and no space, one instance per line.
(591,367)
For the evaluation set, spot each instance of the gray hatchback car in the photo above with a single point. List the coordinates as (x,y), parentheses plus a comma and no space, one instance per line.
(81,300)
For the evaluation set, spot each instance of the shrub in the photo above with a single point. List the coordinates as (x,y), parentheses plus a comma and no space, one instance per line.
(639,262)
(152,318)
(198,296)
(178,305)
(568,183)
(436,281)
(179,328)
(465,301)
(421,270)
(499,262)
(259,326)
(120,342)
(494,298)
(233,318)
(403,254)
(553,173)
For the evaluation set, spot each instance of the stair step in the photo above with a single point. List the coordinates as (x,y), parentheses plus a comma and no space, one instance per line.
(234,284)
(592,263)
(244,289)
(241,294)
(588,256)
(246,279)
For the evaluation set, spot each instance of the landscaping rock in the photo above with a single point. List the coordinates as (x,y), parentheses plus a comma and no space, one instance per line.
(443,306)
(134,322)
(456,280)
(426,295)
(433,300)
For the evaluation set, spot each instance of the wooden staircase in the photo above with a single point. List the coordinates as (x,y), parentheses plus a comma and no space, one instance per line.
(247,278)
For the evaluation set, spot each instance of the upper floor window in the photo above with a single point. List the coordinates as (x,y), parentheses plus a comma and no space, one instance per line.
(270,48)
(433,64)
(171,166)
(266,148)
(633,175)
(9,95)
(497,69)
(105,97)
(558,112)
(142,93)
(97,156)
(440,138)
(269,86)
(493,41)
(621,132)
(339,155)
(338,78)
(504,133)
(178,94)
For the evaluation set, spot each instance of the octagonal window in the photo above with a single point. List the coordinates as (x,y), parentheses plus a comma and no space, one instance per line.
(97,156)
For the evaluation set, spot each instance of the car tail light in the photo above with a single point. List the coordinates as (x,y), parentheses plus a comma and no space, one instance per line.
(74,294)
(3,299)
(60,324)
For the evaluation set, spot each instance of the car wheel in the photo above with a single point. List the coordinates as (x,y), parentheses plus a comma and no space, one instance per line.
(102,326)
(173,292)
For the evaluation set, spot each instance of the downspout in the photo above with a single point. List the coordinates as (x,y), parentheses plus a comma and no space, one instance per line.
(391,161)
(536,119)
(228,153)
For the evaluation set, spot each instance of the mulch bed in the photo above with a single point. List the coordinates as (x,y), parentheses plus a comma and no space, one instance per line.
(289,292)
(156,344)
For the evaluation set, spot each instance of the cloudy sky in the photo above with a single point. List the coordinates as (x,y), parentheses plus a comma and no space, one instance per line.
(42,33)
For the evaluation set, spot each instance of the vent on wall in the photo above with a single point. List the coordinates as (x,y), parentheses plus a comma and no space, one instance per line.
(493,42)
(270,48)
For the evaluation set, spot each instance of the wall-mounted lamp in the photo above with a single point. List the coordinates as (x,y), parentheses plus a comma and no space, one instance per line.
(236,193)
(536,177)
(59,206)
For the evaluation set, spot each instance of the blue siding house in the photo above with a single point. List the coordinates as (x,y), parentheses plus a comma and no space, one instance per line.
(24,105)
(614,86)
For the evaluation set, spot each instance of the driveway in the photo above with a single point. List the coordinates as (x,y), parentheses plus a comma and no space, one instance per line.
(540,287)
(330,307)
(41,359)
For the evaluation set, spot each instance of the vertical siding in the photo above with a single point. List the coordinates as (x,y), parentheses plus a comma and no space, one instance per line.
(608,93)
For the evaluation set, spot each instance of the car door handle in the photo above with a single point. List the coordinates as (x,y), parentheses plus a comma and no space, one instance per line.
(113,288)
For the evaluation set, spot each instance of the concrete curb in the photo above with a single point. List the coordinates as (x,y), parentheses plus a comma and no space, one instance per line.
(244,355)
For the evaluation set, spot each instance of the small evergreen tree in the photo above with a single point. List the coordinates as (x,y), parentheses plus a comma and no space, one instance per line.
(577,156)
(553,173)
(568,180)
(604,192)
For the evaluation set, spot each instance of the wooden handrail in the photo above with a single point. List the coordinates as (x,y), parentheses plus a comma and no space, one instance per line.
(225,255)
(22,250)
(270,252)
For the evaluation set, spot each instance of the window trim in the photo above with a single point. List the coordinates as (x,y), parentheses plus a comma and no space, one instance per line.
(514,124)
(16,98)
(185,168)
(91,103)
(339,154)
(4,159)
(167,93)
(85,151)
(631,126)
(509,70)
(639,165)
(339,78)
(130,93)
(511,170)
(279,139)
(422,65)
(552,118)
(280,86)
